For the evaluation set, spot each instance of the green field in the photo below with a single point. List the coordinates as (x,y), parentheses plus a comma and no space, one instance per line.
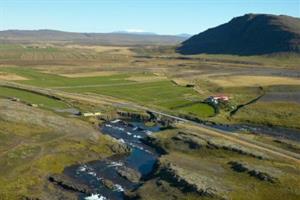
(50,80)
(199,109)
(32,98)
(274,113)
(163,93)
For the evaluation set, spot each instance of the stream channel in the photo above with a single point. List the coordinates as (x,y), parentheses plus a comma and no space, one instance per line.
(103,177)
(141,159)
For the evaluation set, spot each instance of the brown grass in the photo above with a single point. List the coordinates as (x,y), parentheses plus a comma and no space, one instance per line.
(233,81)
(146,78)
(104,49)
(11,77)
(90,74)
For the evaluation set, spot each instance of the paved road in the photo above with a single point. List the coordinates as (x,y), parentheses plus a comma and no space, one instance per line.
(204,128)
(100,99)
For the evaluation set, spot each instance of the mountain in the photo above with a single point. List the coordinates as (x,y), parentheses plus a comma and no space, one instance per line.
(251,34)
(29,36)
(135,32)
(185,35)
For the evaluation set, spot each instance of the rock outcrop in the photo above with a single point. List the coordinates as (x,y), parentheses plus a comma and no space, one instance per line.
(68,184)
(169,174)
(243,168)
(129,174)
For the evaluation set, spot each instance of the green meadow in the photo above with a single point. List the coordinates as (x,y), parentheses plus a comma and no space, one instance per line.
(161,93)
(32,98)
(51,80)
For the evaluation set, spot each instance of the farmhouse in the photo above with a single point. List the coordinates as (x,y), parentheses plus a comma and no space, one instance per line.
(217,99)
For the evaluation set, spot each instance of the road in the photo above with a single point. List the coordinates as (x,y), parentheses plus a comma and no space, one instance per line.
(101,99)
(200,127)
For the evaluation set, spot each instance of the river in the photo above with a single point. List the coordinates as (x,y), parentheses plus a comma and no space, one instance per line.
(97,175)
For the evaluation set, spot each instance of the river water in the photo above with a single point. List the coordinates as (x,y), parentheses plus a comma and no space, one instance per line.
(277,132)
(142,159)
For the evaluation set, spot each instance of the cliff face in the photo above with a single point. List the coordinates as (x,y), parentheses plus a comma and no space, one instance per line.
(251,34)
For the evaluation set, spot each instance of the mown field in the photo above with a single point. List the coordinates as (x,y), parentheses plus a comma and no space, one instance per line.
(118,71)
(159,93)
(39,79)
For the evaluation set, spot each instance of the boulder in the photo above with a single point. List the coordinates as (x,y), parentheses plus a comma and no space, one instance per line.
(129,174)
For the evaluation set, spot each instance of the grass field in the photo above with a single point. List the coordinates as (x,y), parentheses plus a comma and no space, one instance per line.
(162,94)
(248,81)
(120,72)
(133,87)
(36,142)
(199,109)
(274,113)
(32,98)
(51,80)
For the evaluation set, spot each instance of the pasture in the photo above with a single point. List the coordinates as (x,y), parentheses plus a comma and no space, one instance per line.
(144,75)
(32,98)
(160,94)
(143,88)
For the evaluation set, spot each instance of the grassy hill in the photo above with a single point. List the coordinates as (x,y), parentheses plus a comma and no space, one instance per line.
(251,34)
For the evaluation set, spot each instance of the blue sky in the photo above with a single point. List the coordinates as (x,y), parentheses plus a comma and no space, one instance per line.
(159,16)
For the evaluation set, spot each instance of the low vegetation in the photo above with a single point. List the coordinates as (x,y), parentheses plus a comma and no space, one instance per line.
(31,98)
(204,163)
(275,113)
(35,143)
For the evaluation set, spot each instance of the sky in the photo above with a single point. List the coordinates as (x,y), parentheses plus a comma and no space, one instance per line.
(157,16)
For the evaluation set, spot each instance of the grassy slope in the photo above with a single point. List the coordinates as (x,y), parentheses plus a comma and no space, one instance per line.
(35,143)
(274,113)
(209,167)
(32,98)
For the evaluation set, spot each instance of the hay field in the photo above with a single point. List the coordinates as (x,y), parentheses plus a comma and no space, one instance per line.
(248,81)
(11,77)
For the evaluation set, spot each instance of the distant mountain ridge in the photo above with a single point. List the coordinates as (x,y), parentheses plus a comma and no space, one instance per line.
(251,34)
(45,35)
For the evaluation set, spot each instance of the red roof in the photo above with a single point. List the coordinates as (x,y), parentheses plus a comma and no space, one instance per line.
(222,97)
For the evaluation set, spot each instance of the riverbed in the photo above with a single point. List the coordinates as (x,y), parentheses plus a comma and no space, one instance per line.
(103,177)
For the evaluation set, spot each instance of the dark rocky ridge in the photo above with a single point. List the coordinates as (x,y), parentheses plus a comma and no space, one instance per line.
(68,184)
(263,176)
(251,34)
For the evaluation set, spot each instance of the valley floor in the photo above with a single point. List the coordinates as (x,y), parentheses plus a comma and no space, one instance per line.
(43,93)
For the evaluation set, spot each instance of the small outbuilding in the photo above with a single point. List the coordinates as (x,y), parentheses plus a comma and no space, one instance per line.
(91,114)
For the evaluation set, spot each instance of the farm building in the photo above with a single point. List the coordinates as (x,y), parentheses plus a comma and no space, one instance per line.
(217,99)
(91,114)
